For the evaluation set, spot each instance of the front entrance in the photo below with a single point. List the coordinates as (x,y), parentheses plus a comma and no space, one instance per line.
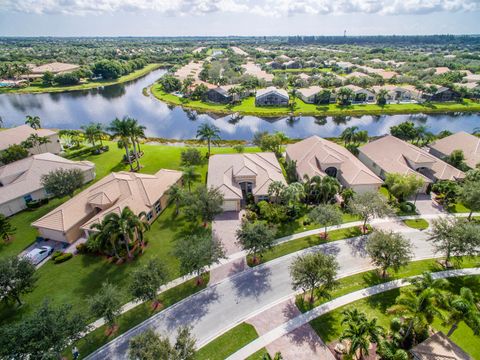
(331,171)
(246,188)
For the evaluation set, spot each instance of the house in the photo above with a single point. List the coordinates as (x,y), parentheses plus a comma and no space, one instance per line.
(292,64)
(438,346)
(315,156)
(469,144)
(389,154)
(397,93)
(309,94)
(345,65)
(140,192)
(472,78)
(16,135)
(356,74)
(271,96)
(219,95)
(20,181)
(241,176)
(443,94)
(54,67)
(361,95)
(238,51)
(275,65)
(304,76)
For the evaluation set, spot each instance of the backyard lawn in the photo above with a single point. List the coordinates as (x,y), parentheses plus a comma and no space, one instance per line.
(419,224)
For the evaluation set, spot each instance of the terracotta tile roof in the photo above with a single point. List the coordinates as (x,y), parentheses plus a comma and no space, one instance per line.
(469,144)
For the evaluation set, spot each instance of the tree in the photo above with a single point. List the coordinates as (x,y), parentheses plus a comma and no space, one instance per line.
(147,280)
(108,69)
(291,171)
(107,304)
(326,215)
(204,203)
(402,186)
(175,195)
(33,140)
(122,131)
(191,156)
(33,122)
(170,83)
(320,190)
(369,205)
(348,135)
(344,96)
(270,142)
(255,237)
(388,250)
(198,251)
(45,334)
(150,346)
(48,78)
(457,159)
(190,176)
(93,132)
(405,131)
(470,196)
(17,277)
(275,189)
(13,153)
(382,97)
(463,307)
(6,228)
(62,182)
(292,195)
(209,133)
(426,281)
(185,348)
(314,271)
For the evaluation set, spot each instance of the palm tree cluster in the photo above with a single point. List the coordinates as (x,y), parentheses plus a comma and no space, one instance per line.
(128,132)
(93,132)
(119,231)
(320,190)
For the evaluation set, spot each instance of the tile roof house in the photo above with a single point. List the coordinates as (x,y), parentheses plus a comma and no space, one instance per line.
(315,156)
(140,192)
(271,96)
(20,181)
(361,95)
(389,154)
(219,95)
(239,176)
(443,94)
(309,94)
(469,144)
(54,67)
(439,347)
(397,93)
(21,133)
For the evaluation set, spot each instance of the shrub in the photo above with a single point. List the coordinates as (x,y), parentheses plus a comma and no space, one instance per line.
(191,156)
(56,254)
(407,207)
(62,258)
(34,204)
(82,248)
(272,213)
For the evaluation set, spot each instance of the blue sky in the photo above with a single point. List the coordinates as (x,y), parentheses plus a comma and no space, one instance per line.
(237,17)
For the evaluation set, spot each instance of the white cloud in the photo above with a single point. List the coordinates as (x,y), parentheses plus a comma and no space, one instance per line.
(276,8)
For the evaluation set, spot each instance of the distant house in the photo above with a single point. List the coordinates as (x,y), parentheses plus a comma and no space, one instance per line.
(315,156)
(443,94)
(140,192)
(271,96)
(397,93)
(275,65)
(472,78)
(345,65)
(309,94)
(21,133)
(356,74)
(292,64)
(469,144)
(55,68)
(389,154)
(219,95)
(439,347)
(361,95)
(242,176)
(20,181)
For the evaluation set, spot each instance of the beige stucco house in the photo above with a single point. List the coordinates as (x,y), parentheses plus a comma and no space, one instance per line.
(139,192)
(309,94)
(20,181)
(54,67)
(438,347)
(271,96)
(389,154)
(16,135)
(315,156)
(469,144)
(238,176)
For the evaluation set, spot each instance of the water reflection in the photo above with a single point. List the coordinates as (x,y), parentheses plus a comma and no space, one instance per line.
(73,109)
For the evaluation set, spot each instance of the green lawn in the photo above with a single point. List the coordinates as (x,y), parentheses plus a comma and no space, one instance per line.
(228,343)
(39,88)
(458,208)
(259,355)
(247,107)
(329,328)
(420,224)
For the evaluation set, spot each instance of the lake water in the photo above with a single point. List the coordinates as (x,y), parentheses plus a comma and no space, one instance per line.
(73,109)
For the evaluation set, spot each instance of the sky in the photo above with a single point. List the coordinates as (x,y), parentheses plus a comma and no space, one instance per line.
(237,17)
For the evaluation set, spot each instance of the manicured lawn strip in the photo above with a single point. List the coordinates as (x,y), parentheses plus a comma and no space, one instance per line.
(247,107)
(306,242)
(420,224)
(458,208)
(329,328)
(228,343)
(84,86)
(128,320)
(259,355)
(370,278)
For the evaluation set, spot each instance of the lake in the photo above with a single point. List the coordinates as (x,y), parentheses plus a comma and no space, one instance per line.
(70,110)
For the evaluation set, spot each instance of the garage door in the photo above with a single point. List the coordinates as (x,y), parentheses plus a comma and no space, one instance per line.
(230,205)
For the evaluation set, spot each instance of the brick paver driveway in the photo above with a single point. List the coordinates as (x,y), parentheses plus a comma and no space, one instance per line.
(224,227)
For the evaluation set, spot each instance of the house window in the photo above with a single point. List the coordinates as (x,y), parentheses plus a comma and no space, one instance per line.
(149,216)
(158,207)
(27,198)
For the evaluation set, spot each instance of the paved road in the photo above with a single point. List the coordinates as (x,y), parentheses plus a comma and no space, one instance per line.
(224,305)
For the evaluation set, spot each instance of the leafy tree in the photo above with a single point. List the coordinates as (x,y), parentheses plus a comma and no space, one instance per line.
(33,122)
(270,142)
(175,195)
(369,205)
(405,131)
(326,215)
(291,170)
(106,303)
(17,277)
(204,203)
(314,271)
(190,176)
(170,83)
(150,346)
(463,307)
(292,195)
(239,148)
(470,196)
(45,334)
(62,182)
(320,190)
(48,78)
(71,78)
(209,133)
(382,97)
(457,159)
(344,96)
(256,237)
(13,153)
(33,140)
(389,250)
(403,186)
(147,280)
(6,228)
(448,189)
(198,251)
(108,69)
(185,347)
(275,189)
(191,156)
(200,92)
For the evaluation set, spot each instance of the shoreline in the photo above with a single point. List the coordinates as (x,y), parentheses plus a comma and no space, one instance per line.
(92,85)
(303,109)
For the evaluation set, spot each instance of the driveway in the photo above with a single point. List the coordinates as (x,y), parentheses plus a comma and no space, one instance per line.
(56,245)
(224,228)
(240,297)
(426,206)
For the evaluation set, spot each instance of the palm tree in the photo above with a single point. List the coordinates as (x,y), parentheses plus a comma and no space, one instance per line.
(463,307)
(208,132)
(33,122)
(100,239)
(348,135)
(123,227)
(426,281)
(121,130)
(93,132)
(322,189)
(344,96)
(190,176)
(382,97)
(175,195)
(141,225)
(6,229)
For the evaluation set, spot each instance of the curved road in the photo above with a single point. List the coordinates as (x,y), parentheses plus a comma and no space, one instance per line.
(224,305)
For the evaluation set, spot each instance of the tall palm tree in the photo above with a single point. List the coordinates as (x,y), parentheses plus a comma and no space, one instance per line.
(361,332)
(123,227)
(141,225)
(190,176)
(93,132)
(348,135)
(175,195)
(100,239)
(33,122)
(209,133)
(463,307)
(121,130)
(6,228)
(426,281)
